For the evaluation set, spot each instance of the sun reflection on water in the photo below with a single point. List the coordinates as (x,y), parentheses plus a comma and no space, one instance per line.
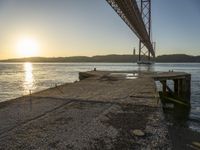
(29,79)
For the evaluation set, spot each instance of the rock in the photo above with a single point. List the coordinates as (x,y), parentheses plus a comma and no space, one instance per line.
(137,132)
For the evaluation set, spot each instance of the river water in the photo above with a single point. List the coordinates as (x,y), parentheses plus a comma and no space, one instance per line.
(17,79)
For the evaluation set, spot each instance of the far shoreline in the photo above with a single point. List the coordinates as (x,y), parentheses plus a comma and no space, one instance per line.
(174,58)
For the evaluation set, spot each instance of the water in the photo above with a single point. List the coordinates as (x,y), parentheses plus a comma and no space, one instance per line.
(17,79)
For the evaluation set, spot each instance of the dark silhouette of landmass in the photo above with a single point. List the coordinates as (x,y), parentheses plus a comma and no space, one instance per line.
(178,58)
(182,58)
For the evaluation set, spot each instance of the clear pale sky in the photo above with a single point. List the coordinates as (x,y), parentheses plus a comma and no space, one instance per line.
(91,27)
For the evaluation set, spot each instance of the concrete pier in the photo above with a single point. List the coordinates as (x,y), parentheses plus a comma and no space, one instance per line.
(104,110)
(181,85)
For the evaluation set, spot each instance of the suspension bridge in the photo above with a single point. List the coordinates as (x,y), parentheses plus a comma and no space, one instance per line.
(137,15)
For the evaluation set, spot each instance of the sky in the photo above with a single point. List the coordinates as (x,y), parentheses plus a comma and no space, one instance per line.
(54,28)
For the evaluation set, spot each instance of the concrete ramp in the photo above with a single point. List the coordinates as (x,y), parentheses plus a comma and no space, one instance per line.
(102,111)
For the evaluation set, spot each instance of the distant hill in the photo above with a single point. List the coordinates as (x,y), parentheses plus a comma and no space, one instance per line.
(102,58)
(178,58)
(107,58)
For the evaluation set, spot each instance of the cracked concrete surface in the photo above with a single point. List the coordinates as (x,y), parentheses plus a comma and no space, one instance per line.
(98,112)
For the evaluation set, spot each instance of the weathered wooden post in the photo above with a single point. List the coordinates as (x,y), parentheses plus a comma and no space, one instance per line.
(186,88)
(164,85)
(180,88)
(176,87)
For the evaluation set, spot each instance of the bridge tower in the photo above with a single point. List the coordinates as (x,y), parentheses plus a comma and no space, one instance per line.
(137,15)
(145,9)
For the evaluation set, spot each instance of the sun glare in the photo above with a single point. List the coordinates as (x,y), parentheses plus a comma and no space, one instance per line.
(27,47)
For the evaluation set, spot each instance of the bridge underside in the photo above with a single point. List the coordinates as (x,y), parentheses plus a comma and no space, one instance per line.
(138,20)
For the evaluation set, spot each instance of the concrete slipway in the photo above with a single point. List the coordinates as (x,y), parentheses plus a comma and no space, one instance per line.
(105,110)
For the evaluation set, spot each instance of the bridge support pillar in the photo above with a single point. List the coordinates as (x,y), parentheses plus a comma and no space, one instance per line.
(145,8)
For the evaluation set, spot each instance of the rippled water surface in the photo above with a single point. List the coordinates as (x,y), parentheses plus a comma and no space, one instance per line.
(17,79)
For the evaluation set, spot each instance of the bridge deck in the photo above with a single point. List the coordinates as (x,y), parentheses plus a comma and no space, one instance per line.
(103,111)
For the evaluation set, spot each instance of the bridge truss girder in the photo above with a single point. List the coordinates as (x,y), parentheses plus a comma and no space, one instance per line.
(138,20)
(145,9)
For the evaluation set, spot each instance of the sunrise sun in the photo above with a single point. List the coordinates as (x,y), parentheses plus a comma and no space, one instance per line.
(27,47)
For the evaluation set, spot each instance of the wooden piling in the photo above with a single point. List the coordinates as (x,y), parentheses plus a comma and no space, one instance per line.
(176,87)
(181,88)
(186,88)
(164,87)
